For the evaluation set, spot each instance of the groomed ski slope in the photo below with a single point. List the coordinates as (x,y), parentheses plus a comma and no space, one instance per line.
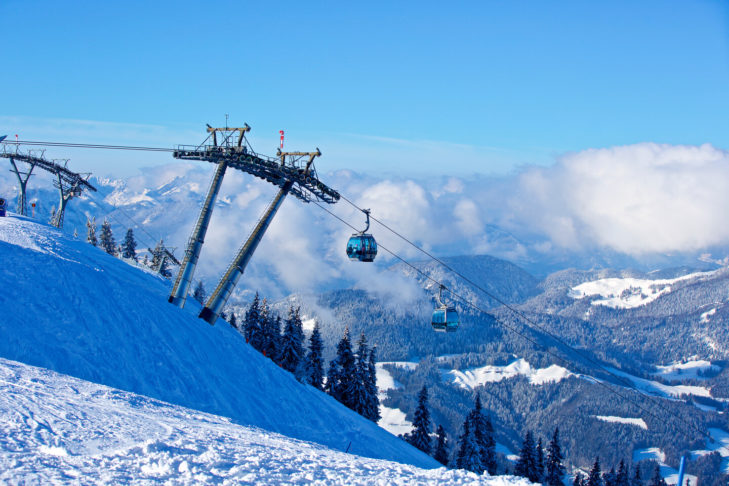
(69,307)
(55,429)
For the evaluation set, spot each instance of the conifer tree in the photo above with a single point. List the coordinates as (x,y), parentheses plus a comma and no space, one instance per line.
(91,232)
(483,433)
(657,479)
(441,447)
(272,335)
(420,436)
(292,349)
(315,359)
(595,478)
(578,481)
(621,478)
(637,479)
(129,247)
(252,323)
(341,371)
(469,457)
(106,239)
(540,460)
(554,467)
(526,467)
(199,293)
(358,393)
(609,478)
(373,401)
(233,321)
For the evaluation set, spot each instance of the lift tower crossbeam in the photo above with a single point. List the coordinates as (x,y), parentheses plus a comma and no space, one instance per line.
(69,183)
(220,295)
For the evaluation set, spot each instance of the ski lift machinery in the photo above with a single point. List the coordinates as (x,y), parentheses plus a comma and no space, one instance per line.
(445,317)
(362,246)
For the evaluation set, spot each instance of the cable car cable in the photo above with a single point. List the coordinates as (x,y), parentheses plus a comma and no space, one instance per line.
(538,345)
(516,311)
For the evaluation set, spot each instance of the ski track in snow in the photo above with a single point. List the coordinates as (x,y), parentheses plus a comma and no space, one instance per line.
(58,429)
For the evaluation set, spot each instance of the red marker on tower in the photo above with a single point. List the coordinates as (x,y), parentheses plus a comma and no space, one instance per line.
(282,135)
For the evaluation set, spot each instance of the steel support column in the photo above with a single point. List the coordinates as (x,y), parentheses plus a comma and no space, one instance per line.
(195,244)
(219,297)
(23,182)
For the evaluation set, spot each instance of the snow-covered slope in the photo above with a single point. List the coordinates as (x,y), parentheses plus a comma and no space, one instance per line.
(71,308)
(56,429)
(628,293)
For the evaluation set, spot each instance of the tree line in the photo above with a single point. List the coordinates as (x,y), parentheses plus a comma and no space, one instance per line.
(351,376)
(128,248)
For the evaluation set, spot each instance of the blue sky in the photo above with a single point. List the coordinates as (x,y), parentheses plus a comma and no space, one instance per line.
(411,87)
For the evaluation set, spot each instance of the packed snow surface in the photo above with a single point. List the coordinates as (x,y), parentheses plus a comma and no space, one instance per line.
(628,293)
(71,308)
(475,377)
(56,429)
(639,422)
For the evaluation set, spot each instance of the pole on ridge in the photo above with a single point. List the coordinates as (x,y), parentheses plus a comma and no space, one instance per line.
(194,245)
(219,297)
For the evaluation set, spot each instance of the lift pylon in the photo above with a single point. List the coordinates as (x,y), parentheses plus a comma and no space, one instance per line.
(69,183)
(212,153)
(222,292)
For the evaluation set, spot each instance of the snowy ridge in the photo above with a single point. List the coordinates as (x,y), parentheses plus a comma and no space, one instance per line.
(71,308)
(59,429)
(475,377)
(628,293)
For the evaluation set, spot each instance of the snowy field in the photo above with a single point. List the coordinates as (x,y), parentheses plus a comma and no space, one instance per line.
(638,422)
(684,371)
(628,293)
(56,429)
(73,309)
(475,377)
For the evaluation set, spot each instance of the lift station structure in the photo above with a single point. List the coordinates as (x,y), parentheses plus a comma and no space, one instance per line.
(70,184)
(292,172)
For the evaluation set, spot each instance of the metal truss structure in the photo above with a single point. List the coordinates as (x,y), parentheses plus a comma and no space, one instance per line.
(292,172)
(70,184)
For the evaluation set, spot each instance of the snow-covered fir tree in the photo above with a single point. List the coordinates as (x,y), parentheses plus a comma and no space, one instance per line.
(252,324)
(483,432)
(540,459)
(315,359)
(554,469)
(159,260)
(469,456)
(106,239)
(578,480)
(372,411)
(129,247)
(441,446)
(358,392)
(233,321)
(595,476)
(526,466)
(292,348)
(91,232)
(341,371)
(272,335)
(199,293)
(420,436)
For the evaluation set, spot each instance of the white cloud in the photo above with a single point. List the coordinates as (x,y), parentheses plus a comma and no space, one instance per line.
(636,199)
